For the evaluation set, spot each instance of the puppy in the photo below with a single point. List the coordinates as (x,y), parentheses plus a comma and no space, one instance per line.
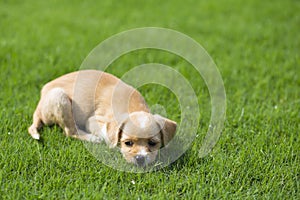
(96,106)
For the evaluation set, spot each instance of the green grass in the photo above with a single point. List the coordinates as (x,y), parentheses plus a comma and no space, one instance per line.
(255,45)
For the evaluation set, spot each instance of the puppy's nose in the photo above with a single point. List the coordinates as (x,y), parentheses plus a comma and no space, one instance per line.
(140,160)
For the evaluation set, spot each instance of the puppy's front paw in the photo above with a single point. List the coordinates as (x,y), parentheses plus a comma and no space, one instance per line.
(95,139)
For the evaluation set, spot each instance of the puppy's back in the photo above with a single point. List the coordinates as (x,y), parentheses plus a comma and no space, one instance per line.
(93,91)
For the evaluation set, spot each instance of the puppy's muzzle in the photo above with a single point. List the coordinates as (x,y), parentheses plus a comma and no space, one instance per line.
(140,160)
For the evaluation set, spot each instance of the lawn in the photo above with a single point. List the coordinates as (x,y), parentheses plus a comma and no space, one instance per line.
(255,45)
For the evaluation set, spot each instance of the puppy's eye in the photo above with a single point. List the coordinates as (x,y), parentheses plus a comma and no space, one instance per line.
(128,143)
(152,143)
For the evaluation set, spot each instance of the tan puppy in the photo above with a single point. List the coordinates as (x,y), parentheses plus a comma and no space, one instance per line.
(94,106)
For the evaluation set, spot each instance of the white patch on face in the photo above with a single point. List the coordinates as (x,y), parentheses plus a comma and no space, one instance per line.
(142,152)
(143,121)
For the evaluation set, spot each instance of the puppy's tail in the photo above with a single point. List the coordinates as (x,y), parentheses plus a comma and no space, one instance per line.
(37,124)
(33,132)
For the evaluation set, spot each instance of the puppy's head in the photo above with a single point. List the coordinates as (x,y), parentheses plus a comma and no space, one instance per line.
(141,135)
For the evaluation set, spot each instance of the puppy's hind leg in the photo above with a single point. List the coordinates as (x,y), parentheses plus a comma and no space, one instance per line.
(56,108)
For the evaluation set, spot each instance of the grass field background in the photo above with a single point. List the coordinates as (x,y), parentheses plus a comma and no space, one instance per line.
(255,45)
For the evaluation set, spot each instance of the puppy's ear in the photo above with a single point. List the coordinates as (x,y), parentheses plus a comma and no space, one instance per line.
(114,134)
(114,131)
(168,128)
